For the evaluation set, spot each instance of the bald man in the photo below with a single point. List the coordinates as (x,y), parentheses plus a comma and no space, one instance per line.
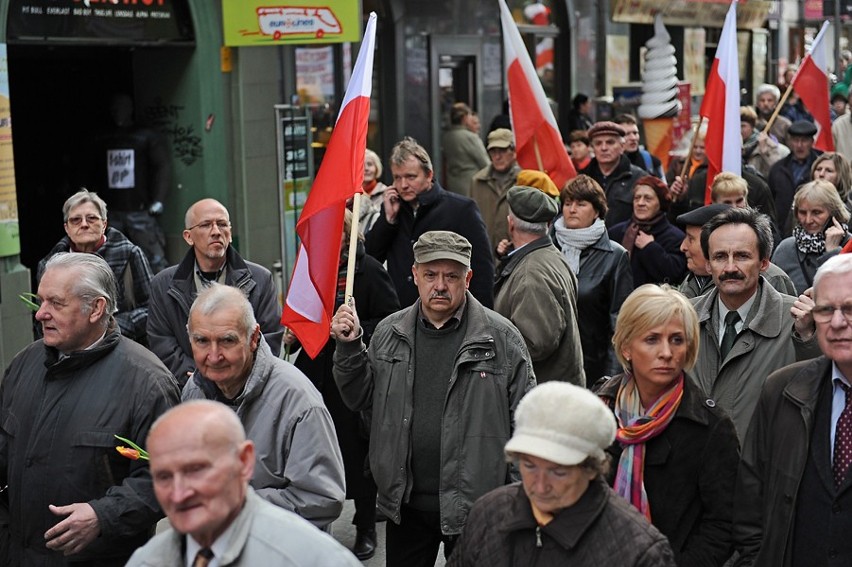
(210,258)
(201,464)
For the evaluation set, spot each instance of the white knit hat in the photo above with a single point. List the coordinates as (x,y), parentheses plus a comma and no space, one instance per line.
(562,423)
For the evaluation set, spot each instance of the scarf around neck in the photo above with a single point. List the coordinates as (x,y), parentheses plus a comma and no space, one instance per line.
(629,240)
(573,241)
(637,426)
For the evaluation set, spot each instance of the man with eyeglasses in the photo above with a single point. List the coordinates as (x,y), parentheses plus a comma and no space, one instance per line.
(794,489)
(211,258)
(745,327)
(86,230)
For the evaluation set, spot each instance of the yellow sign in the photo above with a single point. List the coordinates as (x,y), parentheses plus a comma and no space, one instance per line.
(271,22)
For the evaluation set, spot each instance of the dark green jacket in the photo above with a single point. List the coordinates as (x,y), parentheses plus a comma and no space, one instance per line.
(492,371)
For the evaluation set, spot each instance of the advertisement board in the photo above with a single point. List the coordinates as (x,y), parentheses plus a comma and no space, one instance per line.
(273,22)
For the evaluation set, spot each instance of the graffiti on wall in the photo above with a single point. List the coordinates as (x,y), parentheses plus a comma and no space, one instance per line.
(186,144)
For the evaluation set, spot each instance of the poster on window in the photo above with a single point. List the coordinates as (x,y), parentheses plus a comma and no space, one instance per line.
(10,242)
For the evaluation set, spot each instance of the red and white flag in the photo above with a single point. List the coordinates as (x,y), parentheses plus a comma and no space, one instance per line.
(811,84)
(538,143)
(721,106)
(310,300)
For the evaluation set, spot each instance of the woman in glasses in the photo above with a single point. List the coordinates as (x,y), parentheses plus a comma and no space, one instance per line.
(85,216)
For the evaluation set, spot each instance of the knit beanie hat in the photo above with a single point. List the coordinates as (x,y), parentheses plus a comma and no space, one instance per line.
(562,423)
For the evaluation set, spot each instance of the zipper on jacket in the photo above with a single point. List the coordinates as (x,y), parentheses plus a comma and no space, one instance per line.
(538,536)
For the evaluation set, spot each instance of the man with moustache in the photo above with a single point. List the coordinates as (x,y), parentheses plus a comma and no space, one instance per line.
(416,204)
(746,332)
(442,379)
(699,281)
(794,490)
(210,258)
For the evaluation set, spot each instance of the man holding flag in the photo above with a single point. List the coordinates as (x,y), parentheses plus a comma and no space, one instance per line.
(441,379)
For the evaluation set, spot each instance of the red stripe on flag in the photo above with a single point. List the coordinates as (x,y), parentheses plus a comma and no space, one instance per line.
(811,85)
(532,129)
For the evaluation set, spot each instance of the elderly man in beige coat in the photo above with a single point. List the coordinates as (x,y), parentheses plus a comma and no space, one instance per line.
(537,291)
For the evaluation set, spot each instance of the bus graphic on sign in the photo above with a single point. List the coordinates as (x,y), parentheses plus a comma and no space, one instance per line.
(292,20)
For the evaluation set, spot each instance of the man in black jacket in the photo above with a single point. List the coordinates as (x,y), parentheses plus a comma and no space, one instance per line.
(613,171)
(416,204)
(210,258)
(71,499)
(794,488)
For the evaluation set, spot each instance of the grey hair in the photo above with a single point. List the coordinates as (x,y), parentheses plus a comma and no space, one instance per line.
(94,279)
(767,88)
(80,197)
(538,228)
(219,296)
(835,266)
(409,147)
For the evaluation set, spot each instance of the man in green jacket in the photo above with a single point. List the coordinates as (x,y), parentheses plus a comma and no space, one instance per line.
(442,379)
(537,291)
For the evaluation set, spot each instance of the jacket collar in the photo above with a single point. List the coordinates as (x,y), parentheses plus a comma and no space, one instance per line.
(623,168)
(478,330)
(256,381)
(805,392)
(569,525)
(513,261)
(767,317)
(184,276)
(427,198)
(58,367)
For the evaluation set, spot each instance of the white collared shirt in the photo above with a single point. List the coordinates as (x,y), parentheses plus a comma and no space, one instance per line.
(743,312)
(219,547)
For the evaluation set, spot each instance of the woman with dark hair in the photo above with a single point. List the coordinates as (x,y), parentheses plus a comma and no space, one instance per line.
(676,453)
(602,267)
(578,116)
(652,242)
(821,230)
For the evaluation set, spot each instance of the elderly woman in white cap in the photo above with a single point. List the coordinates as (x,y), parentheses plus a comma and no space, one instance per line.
(562,513)
(677,453)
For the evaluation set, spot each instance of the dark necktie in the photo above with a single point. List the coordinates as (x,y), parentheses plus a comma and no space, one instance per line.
(203,557)
(731,320)
(843,440)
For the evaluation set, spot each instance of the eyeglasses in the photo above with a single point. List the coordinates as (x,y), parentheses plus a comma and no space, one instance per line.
(207,226)
(90,219)
(825,313)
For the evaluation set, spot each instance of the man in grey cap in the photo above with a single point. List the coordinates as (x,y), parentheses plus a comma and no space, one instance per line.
(442,379)
(489,185)
(788,173)
(536,290)
(699,280)
(613,170)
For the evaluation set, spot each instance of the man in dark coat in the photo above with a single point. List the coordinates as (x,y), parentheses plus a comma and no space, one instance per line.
(69,497)
(612,170)
(794,490)
(788,173)
(211,258)
(417,204)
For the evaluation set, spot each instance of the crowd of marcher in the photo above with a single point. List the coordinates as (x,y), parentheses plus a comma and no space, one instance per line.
(609,372)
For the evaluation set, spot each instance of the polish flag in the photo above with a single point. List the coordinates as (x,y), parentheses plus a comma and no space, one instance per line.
(811,84)
(310,300)
(538,143)
(721,106)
